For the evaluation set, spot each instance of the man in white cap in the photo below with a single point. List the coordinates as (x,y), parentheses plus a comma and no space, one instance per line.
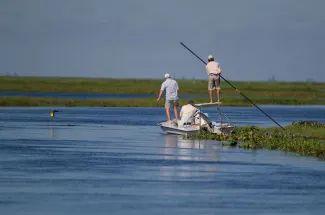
(214,70)
(171,88)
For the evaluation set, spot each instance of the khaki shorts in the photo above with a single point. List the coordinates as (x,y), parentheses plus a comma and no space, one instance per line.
(171,104)
(214,82)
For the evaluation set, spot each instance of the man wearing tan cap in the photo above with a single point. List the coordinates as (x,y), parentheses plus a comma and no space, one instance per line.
(171,88)
(213,69)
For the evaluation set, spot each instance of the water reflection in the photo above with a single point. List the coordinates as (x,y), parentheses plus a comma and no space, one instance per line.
(185,149)
(181,150)
(52,133)
(177,148)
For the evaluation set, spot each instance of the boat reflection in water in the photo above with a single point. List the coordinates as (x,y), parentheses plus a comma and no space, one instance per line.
(190,158)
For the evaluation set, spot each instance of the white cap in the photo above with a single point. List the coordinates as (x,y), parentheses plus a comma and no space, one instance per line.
(210,57)
(167,75)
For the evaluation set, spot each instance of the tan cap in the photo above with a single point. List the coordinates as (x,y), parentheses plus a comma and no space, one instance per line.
(210,57)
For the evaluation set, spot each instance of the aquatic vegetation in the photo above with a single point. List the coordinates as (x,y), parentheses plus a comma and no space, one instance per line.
(141,102)
(281,93)
(303,138)
(309,123)
(276,91)
(49,102)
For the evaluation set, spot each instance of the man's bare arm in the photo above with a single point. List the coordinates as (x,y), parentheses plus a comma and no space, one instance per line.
(160,93)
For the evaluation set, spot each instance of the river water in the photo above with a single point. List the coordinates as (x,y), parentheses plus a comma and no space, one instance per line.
(117,161)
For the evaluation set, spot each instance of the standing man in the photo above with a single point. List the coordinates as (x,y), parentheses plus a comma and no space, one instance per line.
(171,88)
(213,69)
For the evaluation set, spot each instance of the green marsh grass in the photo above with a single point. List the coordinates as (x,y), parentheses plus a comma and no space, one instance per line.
(281,93)
(293,90)
(303,138)
(142,102)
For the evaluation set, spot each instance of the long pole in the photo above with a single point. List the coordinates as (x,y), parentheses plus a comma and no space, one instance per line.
(234,88)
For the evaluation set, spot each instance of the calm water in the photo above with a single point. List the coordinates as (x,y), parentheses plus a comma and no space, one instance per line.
(117,161)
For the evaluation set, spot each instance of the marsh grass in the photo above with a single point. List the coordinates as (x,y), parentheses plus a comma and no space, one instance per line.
(303,138)
(30,101)
(142,102)
(281,93)
(306,91)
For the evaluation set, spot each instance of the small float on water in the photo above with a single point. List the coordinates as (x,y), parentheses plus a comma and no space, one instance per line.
(199,121)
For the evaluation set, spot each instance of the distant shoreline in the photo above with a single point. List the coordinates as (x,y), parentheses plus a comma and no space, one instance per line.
(261,93)
(19,101)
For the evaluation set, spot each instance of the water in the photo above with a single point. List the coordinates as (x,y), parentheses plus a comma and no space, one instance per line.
(117,161)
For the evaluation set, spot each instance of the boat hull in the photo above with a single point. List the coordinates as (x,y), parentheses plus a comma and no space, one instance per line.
(171,129)
(192,130)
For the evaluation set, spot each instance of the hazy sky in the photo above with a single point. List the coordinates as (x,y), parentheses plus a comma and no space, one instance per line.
(251,39)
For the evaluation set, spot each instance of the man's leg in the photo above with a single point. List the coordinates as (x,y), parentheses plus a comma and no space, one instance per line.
(176,112)
(175,109)
(167,106)
(217,81)
(218,95)
(210,93)
(168,114)
(210,86)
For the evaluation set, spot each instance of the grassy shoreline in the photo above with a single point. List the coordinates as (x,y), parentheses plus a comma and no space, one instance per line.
(279,93)
(25,101)
(302,138)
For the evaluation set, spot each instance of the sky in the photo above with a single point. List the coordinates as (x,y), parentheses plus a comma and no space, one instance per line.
(252,40)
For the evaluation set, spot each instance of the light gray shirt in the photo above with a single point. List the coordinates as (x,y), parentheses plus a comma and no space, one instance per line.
(171,88)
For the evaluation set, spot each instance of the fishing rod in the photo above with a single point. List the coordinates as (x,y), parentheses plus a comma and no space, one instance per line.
(234,88)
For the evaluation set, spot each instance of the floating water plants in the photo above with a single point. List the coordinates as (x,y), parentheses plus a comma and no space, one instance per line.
(303,138)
